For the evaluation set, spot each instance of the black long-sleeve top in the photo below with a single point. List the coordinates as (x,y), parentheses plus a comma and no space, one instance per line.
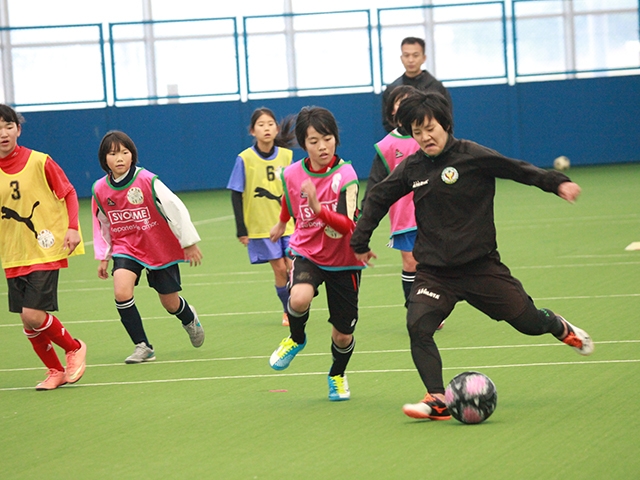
(453,196)
(425,82)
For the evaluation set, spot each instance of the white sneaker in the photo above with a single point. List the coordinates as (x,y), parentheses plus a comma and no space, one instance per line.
(142,353)
(195,330)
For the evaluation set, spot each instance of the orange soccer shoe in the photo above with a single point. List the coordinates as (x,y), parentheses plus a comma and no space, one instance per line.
(578,339)
(431,407)
(76,363)
(55,378)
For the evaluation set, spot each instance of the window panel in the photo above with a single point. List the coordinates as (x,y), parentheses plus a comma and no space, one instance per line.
(303,6)
(267,63)
(203,28)
(466,42)
(2,69)
(130,70)
(189,53)
(527,8)
(57,74)
(330,21)
(469,50)
(170,10)
(320,65)
(54,65)
(540,46)
(196,67)
(340,41)
(467,12)
(190,58)
(607,41)
(591,5)
(571,40)
(66,12)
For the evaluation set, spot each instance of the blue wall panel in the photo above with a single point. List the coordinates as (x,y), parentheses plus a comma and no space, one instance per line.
(71,138)
(188,145)
(484,114)
(590,121)
(194,146)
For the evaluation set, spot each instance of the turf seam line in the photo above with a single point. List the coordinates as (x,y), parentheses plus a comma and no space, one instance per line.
(321,354)
(325,309)
(351,372)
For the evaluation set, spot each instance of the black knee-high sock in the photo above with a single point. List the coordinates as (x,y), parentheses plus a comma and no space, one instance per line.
(297,322)
(341,357)
(130,318)
(407,283)
(184,313)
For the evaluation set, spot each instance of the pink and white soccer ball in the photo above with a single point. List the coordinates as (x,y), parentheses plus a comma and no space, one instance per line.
(471,397)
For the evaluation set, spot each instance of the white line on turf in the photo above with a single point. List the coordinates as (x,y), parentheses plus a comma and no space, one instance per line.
(267,276)
(366,352)
(109,286)
(303,374)
(213,220)
(321,308)
(609,255)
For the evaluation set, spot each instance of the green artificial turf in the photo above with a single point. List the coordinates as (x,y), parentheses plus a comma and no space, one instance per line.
(220,412)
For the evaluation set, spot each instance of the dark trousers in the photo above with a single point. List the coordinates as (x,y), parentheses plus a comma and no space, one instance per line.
(486,284)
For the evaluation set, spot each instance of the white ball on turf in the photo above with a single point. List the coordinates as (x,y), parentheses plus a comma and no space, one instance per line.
(561,163)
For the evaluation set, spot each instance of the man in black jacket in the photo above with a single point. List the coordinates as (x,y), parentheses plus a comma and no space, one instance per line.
(453,185)
(413,57)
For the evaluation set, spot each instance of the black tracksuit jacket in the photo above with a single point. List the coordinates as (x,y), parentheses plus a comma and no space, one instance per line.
(453,197)
(425,82)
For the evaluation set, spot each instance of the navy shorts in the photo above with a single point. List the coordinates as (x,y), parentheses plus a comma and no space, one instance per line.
(164,280)
(342,287)
(37,290)
(261,250)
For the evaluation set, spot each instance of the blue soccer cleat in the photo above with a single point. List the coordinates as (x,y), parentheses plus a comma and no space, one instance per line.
(338,388)
(286,351)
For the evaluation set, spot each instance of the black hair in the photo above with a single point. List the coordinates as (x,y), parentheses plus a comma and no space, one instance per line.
(421,106)
(398,92)
(9,115)
(413,41)
(321,119)
(116,138)
(285,137)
